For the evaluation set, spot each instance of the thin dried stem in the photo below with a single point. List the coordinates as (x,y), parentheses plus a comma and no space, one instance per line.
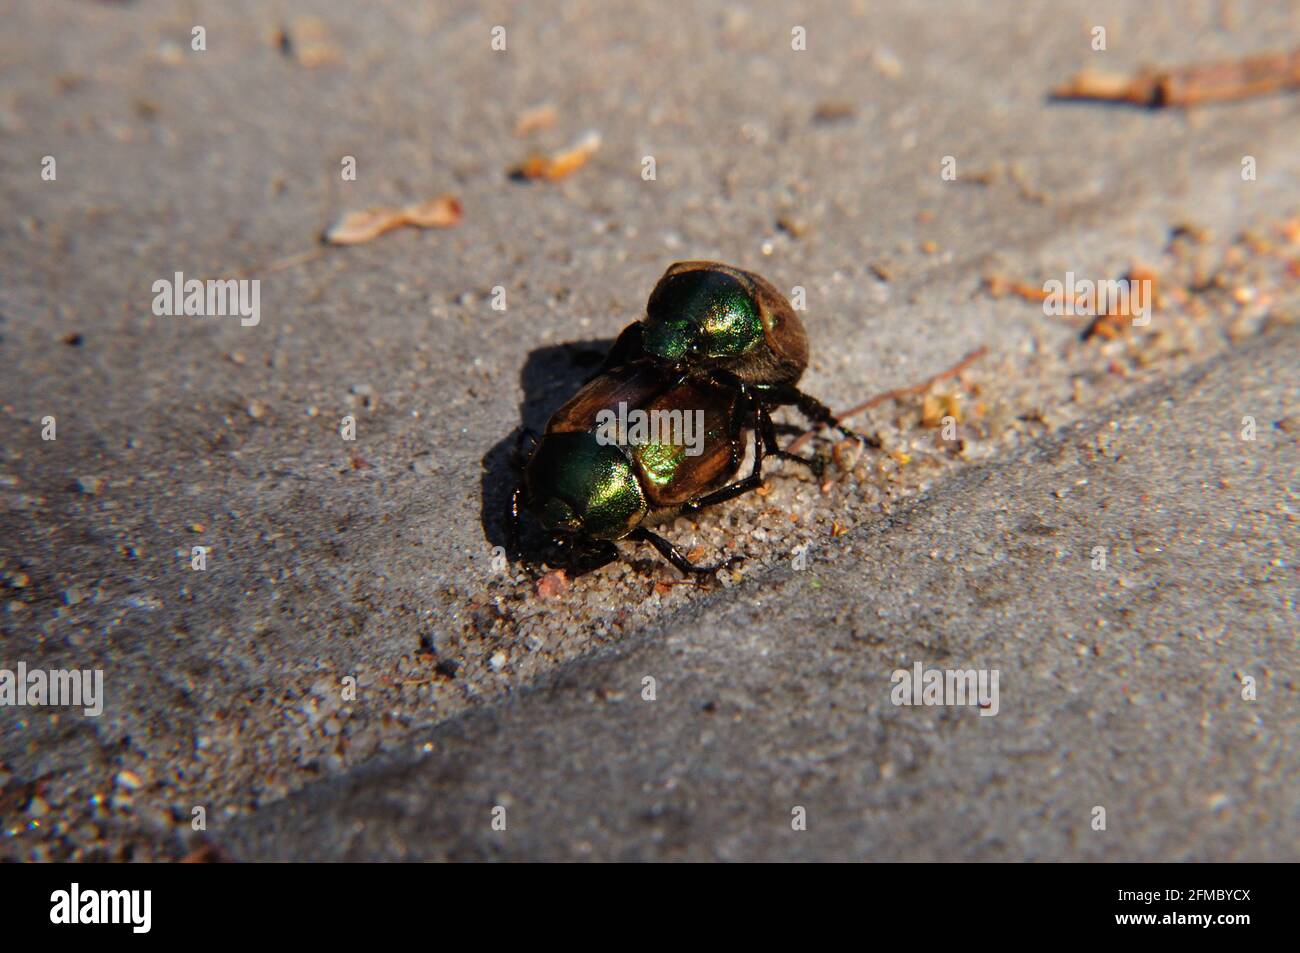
(898,394)
(1192,85)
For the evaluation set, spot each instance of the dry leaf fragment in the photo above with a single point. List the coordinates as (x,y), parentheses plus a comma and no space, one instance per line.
(357,227)
(935,407)
(834,110)
(846,454)
(308,41)
(368,224)
(535,120)
(793,225)
(1143,298)
(206,854)
(559,164)
(999,286)
(1190,85)
(441,212)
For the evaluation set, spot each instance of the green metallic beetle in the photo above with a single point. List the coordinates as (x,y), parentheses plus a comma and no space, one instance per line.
(717,342)
(734,325)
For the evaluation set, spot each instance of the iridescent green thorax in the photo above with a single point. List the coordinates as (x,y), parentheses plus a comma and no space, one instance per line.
(660,462)
(709,311)
(670,340)
(577,484)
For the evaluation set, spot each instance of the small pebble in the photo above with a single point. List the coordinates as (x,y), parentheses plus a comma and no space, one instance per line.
(553,585)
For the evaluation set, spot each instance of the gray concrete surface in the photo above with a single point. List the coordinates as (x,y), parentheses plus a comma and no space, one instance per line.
(1118,687)
(373,559)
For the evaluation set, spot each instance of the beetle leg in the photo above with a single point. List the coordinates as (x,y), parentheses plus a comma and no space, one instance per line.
(728,380)
(751,482)
(512,522)
(816,412)
(513,552)
(763,419)
(517,456)
(587,555)
(730,492)
(820,414)
(669,552)
(815,464)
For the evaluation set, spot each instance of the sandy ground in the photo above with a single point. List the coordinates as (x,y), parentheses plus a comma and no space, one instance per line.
(1119,688)
(373,559)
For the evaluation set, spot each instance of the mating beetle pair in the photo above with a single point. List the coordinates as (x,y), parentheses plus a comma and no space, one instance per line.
(716,341)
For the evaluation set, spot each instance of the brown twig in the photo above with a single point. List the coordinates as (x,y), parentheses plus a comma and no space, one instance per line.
(560,164)
(1190,85)
(998,286)
(899,393)
(280,264)
(444,211)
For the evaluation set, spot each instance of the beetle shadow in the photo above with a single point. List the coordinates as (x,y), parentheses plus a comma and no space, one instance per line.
(550,376)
